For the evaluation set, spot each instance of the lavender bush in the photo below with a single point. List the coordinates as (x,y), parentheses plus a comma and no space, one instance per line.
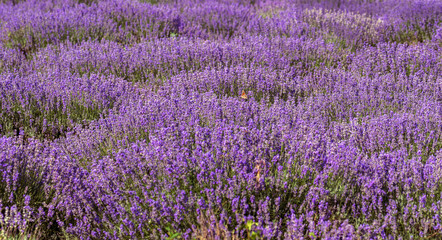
(220,119)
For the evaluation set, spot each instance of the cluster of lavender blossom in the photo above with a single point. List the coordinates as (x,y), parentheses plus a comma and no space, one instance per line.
(221,119)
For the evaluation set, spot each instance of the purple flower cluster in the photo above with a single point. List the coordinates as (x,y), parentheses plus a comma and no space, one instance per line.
(221,119)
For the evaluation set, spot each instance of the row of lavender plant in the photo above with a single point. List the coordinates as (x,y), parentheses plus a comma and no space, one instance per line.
(128,21)
(221,119)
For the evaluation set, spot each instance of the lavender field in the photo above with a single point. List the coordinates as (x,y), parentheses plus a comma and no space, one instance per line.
(220,119)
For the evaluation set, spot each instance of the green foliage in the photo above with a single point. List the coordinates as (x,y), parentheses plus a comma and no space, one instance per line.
(13,2)
(155,2)
(172,233)
(37,121)
(87,2)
